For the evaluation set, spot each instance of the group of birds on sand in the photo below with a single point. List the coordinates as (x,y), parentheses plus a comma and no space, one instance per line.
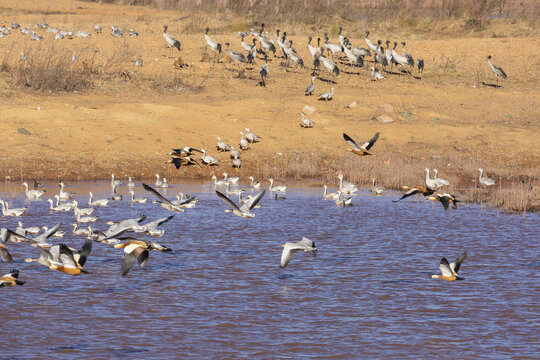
(59,34)
(70,34)
(185,156)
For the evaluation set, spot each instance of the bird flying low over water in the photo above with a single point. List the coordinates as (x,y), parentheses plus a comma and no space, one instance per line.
(68,262)
(10,279)
(164,203)
(4,254)
(445,199)
(360,150)
(245,210)
(133,250)
(449,272)
(289,248)
(137,249)
(416,190)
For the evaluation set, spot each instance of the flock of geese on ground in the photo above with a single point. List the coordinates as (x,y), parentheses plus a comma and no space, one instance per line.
(68,260)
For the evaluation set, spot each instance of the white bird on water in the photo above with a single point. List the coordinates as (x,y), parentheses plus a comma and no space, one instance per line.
(273,188)
(32,194)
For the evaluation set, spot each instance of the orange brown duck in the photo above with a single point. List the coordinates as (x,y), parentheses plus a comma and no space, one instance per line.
(449,272)
(360,150)
(10,279)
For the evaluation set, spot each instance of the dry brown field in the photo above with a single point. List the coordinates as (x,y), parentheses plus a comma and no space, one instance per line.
(102,114)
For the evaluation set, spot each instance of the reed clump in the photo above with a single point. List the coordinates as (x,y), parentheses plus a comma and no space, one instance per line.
(47,70)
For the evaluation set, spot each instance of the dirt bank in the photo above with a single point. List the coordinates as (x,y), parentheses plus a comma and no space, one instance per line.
(129,117)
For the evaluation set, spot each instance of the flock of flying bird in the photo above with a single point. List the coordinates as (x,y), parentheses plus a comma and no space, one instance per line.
(71,261)
(68,260)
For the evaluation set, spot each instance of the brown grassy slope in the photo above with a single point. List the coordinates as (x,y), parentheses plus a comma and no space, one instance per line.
(129,117)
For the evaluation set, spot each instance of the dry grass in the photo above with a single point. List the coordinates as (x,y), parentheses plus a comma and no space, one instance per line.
(475,14)
(49,69)
(513,193)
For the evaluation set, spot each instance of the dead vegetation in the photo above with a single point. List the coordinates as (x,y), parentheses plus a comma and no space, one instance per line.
(513,192)
(475,14)
(51,68)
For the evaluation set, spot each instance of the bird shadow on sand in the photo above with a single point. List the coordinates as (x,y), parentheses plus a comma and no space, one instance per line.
(497,86)
(328,81)
(390,72)
(351,73)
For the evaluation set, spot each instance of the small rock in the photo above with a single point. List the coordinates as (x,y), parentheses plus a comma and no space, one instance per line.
(352,105)
(24,131)
(384,119)
(387,108)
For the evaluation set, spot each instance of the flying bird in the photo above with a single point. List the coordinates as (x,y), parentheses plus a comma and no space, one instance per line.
(163,202)
(416,190)
(245,210)
(289,248)
(10,279)
(360,150)
(449,272)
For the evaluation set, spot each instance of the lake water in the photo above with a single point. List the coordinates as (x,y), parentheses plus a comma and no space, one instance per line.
(221,294)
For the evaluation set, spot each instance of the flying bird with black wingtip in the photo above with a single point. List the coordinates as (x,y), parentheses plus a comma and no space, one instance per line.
(360,150)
